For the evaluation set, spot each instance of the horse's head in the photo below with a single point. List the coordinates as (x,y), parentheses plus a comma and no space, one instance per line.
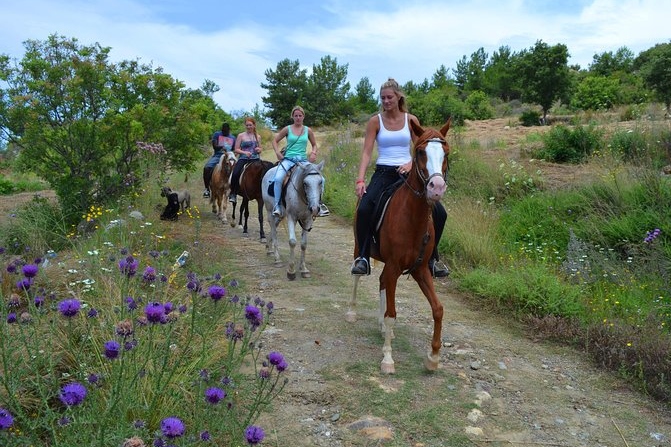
(312,182)
(430,158)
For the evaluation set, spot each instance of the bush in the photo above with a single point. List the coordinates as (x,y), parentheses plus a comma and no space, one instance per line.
(565,145)
(530,118)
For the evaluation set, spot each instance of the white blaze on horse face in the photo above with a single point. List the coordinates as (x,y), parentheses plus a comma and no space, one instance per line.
(435,156)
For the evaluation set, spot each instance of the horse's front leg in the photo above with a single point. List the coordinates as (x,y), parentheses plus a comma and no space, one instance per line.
(305,272)
(291,228)
(388,315)
(272,247)
(425,282)
(350,316)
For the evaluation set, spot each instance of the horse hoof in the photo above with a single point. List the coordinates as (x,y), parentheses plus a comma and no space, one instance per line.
(291,276)
(387,368)
(306,275)
(350,316)
(232,224)
(431,362)
(263,240)
(245,234)
(240,227)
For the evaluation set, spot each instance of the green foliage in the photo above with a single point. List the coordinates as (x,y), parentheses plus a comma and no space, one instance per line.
(530,118)
(654,66)
(478,106)
(544,74)
(630,145)
(596,93)
(37,226)
(324,93)
(565,145)
(340,169)
(137,367)
(77,119)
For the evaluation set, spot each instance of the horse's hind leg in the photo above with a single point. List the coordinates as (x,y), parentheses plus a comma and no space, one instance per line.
(245,206)
(233,215)
(425,282)
(305,272)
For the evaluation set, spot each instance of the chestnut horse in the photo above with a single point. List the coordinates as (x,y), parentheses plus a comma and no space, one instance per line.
(250,189)
(406,240)
(220,185)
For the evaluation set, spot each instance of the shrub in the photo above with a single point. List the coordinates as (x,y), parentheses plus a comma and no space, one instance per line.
(565,145)
(530,118)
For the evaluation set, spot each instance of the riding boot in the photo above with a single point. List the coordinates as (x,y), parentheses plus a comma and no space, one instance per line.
(437,268)
(361,266)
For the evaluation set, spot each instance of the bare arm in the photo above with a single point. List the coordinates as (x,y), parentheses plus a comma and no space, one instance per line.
(280,135)
(372,128)
(312,157)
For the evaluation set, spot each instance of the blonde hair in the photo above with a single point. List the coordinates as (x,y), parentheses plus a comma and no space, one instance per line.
(297,108)
(393,85)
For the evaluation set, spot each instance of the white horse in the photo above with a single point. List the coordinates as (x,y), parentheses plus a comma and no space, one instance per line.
(301,205)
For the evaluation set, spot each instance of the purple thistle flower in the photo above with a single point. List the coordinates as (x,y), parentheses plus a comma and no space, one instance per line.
(168,307)
(11,317)
(182,309)
(192,285)
(128,266)
(205,435)
(217,276)
(37,261)
(233,283)
(204,375)
(163,278)
(112,349)
(92,313)
(154,253)
(154,312)
(69,307)
(270,306)
(652,235)
(6,419)
(216,292)
(254,435)
(131,304)
(93,379)
(235,299)
(172,427)
(130,344)
(123,251)
(139,423)
(158,442)
(275,358)
(30,270)
(11,268)
(24,284)
(226,381)
(73,394)
(282,366)
(38,301)
(214,395)
(62,422)
(149,274)
(253,316)
(2,250)
(264,373)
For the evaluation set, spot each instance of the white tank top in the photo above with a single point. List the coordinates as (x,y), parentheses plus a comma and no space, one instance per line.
(393,146)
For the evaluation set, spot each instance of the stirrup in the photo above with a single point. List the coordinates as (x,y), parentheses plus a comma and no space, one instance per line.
(360,266)
(277,211)
(438,269)
(323,210)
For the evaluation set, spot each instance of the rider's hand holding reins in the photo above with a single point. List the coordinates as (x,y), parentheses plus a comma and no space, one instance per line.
(360,188)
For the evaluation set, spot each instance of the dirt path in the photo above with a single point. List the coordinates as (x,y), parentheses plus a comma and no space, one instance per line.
(495,387)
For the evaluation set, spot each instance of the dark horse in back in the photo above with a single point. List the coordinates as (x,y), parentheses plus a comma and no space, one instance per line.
(250,189)
(405,239)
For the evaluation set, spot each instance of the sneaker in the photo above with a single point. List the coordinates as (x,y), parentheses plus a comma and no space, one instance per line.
(233,198)
(277,211)
(206,193)
(438,269)
(323,211)
(361,267)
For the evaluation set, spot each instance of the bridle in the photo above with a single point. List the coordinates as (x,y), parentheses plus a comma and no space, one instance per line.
(420,174)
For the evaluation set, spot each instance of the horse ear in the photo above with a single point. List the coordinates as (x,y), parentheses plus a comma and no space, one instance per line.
(416,128)
(320,166)
(446,127)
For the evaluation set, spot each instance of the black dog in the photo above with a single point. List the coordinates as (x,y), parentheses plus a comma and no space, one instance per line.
(172,208)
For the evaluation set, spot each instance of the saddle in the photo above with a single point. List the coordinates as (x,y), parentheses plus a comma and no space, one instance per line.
(285,182)
(381,206)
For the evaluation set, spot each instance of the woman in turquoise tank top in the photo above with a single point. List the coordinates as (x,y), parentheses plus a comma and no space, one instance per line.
(298,135)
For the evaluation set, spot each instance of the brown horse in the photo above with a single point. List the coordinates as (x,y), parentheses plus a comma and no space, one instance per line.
(406,239)
(220,185)
(250,189)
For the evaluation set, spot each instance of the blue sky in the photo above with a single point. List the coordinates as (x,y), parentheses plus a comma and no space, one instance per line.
(233,43)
